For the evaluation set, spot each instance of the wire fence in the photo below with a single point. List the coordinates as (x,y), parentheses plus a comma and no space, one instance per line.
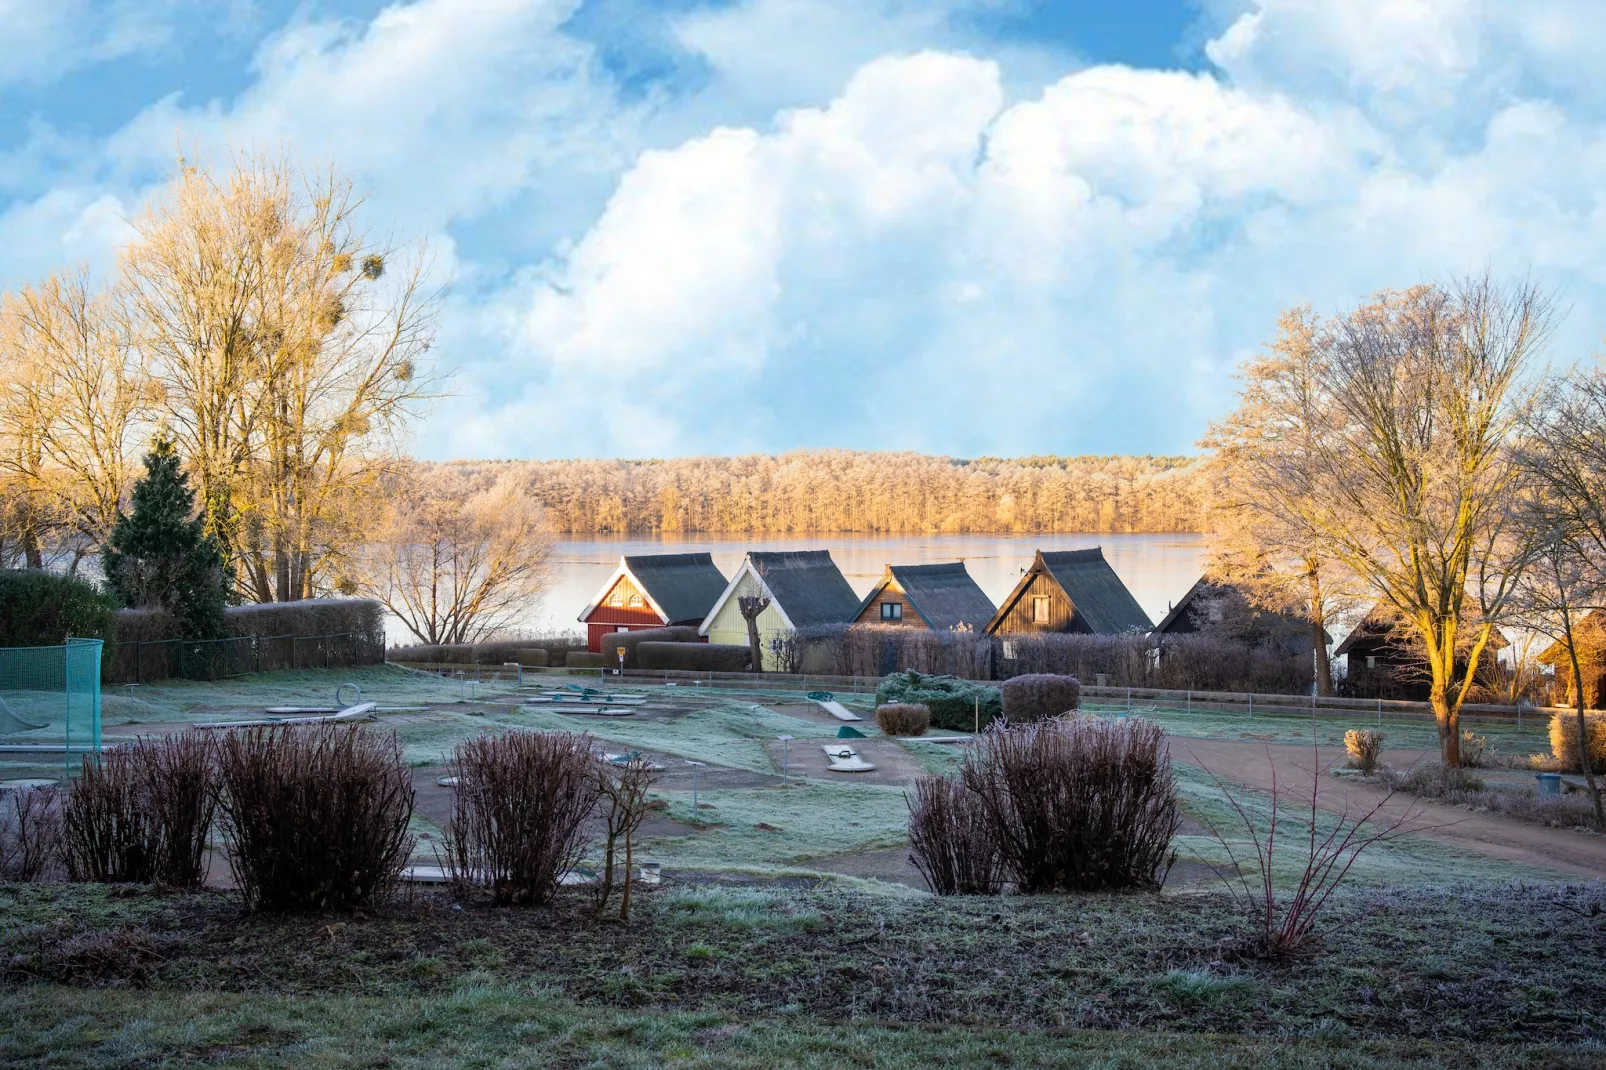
(50,700)
(217,659)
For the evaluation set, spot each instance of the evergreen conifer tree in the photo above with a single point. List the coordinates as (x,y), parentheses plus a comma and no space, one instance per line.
(159,555)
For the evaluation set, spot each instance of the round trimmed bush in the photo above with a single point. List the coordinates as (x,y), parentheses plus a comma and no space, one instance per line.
(1039,696)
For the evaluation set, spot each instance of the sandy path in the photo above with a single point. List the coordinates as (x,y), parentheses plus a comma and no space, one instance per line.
(1558,850)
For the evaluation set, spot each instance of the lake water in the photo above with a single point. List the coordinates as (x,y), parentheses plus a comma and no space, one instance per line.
(1158,569)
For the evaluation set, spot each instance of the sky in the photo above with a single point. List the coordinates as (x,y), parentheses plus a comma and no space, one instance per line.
(963,227)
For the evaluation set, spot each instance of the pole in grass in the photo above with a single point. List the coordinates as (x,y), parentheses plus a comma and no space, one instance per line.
(786,756)
(978,714)
(694,767)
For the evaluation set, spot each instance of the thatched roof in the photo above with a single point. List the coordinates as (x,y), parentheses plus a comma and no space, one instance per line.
(943,594)
(807,586)
(804,586)
(684,586)
(680,588)
(1382,626)
(1589,634)
(1176,619)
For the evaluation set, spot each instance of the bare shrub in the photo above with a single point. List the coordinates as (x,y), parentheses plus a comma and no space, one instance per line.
(31,845)
(951,840)
(903,718)
(518,818)
(1039,696)
(1564,740)
(623,786)
(142,812)
(111,832)
(1285,926)
(315,816)
(1432,780)
(1079,803)
(1365,747)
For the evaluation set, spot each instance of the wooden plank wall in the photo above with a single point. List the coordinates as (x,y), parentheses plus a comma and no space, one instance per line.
(1061,613)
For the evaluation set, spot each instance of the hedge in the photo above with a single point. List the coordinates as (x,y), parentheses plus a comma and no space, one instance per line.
(315,632)
(39,608)
(694,657)
(953,702)
(612,641)
(1039,696)
(552,648)
(585,659)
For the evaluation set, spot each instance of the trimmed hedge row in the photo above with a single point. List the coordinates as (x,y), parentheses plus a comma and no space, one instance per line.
(332,632)
(612,641)
(39,608)
(552,650)
(584,659)
(694,657)
(953,702)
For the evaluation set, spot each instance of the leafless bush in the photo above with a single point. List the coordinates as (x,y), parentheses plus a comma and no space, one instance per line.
(951,840)
(315,816)
(1432,780)
(903,718)
(1365,747)
(623,786)
(1564,740)
(1039,696)
(31,845)
(518,819)
(111,835)
(1078,804)
(876,650)
(1290,925)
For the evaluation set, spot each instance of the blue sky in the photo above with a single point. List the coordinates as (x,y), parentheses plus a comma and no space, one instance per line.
(958,226)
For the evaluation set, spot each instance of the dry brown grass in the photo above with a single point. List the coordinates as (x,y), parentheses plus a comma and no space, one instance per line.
(1365,747)
(1564,740)
(903,718)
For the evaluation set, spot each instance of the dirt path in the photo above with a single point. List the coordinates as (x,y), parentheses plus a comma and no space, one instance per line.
(1558,850)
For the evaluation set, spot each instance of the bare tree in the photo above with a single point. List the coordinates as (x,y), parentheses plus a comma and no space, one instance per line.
(456,557)
(286,347)
(1400,470)
(1263,535)
(623,786)
(86,398)
(1564,454)
(750,606)
(1555,593)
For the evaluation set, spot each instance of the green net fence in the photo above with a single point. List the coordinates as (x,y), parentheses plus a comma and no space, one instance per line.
(49,706)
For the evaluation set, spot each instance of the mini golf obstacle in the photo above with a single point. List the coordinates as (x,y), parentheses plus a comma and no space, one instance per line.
(50,701)
(827,702)
(844,759)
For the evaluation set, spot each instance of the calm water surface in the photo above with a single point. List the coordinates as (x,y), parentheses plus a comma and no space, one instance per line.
(1158,569)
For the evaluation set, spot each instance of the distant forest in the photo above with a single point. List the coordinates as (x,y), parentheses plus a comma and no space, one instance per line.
(830,491)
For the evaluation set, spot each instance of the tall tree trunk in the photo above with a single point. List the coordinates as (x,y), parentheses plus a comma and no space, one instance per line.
(30,549)
(1447,715)
(755,649)
(1318,634)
